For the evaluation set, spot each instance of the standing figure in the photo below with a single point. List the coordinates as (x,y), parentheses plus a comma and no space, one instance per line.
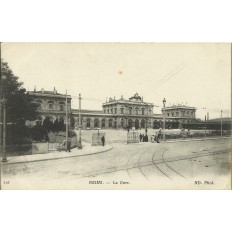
(140,137)
(159,134)
(103,140)
(68,145)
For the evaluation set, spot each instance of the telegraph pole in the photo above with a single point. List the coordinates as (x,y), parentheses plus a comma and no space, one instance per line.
(164,102)
(1,114)
(221,122)
(4,124)
(80,146)
(66,144)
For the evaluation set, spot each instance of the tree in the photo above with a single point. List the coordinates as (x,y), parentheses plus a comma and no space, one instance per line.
(72,121)
(19,104)
(56,126)
(47,124)
(61,124)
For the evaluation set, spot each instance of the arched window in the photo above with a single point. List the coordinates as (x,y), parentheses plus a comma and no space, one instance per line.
(122,122)
(103,123)
(88,122)
(96,122)
(136,123)
(142,123)
(130,123)
(110,122)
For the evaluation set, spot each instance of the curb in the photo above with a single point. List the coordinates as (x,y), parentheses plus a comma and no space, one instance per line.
(30,161)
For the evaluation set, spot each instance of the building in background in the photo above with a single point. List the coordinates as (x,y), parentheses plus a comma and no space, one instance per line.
(50,104)
(116,114)
(181,113)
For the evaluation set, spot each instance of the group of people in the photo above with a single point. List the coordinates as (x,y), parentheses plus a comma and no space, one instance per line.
(143,138)
(157,137)
(68,148)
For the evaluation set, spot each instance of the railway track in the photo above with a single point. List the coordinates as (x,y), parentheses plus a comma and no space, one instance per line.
(167,171)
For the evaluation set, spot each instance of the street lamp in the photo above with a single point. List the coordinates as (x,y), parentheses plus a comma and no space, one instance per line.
(164,102)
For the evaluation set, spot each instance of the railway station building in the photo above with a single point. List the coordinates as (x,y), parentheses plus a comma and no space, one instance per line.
(115,114)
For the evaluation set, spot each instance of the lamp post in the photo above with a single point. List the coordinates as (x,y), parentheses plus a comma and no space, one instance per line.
(164,102)
(146,120)
(3,123)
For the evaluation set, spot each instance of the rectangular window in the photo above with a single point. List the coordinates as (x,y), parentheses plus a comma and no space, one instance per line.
(61,107)
(50,106)
(122,110)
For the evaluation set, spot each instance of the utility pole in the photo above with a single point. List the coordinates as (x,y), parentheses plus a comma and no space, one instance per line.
(205,125)
(221,122)
(66,144)
(80,146)
(1,114)
(164,102)
(4,124)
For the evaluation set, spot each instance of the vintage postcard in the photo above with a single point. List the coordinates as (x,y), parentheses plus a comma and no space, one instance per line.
(115,116)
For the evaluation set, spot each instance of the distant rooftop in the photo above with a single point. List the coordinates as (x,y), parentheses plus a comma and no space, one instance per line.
(219,120)
(134,99)
(179,106)
(46,92)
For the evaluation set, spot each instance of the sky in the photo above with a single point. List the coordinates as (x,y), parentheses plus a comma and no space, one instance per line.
(197,74)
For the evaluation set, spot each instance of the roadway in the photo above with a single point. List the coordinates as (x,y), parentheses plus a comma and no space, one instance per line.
(178,165)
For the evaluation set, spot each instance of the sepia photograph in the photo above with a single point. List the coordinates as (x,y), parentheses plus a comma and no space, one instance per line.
(115,116)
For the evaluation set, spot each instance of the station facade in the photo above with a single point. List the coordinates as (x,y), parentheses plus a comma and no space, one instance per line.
(50,104)
(116,113)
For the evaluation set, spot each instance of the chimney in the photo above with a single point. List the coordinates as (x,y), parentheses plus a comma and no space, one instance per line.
(42,90)
(35,88)
(207,116)
(54,91)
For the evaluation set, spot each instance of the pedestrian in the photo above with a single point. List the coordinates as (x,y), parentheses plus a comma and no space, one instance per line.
(64,144)
(140,137)
(68,145)
(143,137)
(159,134)
(103,140)
(153,138)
